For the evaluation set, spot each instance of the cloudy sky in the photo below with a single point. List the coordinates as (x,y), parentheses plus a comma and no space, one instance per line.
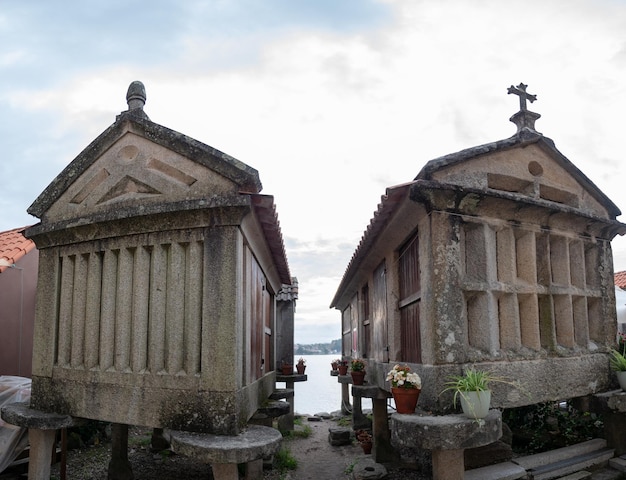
(331,100)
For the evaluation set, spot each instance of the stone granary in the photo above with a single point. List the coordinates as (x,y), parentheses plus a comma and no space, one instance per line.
(162,281)
(497,256)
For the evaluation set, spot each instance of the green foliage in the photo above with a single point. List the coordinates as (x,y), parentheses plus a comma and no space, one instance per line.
(301,431)
(546,426)
(618,361)
(357,365)
(345,421)
(284,460)
(350,468)
(474,380)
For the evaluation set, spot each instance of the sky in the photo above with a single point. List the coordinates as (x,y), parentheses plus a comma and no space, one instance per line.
(332,101)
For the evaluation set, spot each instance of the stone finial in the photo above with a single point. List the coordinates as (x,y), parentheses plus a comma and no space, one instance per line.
(524,118)
(136,96)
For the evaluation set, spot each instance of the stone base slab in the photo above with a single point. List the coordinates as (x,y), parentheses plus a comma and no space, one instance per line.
(253,443)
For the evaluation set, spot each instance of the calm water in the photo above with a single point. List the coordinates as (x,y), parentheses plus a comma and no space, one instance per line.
(321,392)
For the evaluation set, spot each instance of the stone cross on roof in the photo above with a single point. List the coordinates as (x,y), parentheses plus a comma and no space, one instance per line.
(524,118)
(520,91)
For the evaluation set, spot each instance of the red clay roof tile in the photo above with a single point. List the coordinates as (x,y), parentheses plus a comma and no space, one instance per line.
(14,245)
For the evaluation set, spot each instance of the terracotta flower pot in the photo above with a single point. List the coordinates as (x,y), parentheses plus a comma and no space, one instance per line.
(358,377)
(287,369)
(343,369)
(334,366)
(405,398)
(367,447)
(300,369)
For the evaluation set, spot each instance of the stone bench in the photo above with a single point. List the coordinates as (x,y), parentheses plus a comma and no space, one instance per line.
(42,429)
(446,436)
(225,452)
(382,451)
(266,413)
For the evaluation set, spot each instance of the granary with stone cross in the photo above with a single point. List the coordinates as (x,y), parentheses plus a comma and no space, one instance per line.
(497,256)
(163,283)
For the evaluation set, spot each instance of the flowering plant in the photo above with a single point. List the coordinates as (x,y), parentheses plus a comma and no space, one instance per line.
(401,377)
(357,365)
(301,361)
(343,363)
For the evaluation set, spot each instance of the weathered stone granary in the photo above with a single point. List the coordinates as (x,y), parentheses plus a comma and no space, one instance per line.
(497,256)
(160,278)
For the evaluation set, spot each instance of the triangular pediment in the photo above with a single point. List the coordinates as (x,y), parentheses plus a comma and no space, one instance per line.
(530,167)
(137,164)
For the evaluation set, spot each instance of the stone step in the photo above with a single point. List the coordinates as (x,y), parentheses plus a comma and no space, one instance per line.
(499,471)
(281,393)
(582,475)
(545,458)
(618,463)
(571,465)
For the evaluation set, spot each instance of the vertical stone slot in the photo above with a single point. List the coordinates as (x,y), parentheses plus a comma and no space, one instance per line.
(480,329)
(525,256)
(564,320)
(595,319)
(108,306)
(65,310)
(141,309)
(542,251)
(547,330)
(529,326)
(175,310)
(124,308)
(576,265)
(158,297)
(592,265)
(93,310)
(475,252)
(79,313)
(193,307)
(581,325)
(506,255)
(508,312)
(559,260)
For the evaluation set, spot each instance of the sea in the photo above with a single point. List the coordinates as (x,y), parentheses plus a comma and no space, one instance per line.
(321,392)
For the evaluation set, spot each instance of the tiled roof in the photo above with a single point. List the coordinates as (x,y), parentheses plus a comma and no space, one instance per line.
(14,245)
(620,279)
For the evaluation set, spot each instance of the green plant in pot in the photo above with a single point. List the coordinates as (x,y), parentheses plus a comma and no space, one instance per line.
(357,370)
(618,364)
(473,390)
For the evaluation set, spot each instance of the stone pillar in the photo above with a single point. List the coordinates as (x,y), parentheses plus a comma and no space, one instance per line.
(119,466)
(41,446)
(448,464)
(382,451)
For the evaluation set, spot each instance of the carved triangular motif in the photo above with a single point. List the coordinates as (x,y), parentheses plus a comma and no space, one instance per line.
(128,185)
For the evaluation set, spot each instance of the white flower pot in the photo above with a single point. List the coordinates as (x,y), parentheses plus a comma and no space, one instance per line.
(621,378)
(475,404)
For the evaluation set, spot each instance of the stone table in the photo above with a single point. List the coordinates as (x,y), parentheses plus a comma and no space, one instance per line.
(447,436)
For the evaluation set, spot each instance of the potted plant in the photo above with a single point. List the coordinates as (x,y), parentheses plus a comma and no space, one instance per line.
(301,366)
(343,367)
(618,364)
(365,440)
(472,389)
(335,364)
(405,388)
(357,370)
(287,367)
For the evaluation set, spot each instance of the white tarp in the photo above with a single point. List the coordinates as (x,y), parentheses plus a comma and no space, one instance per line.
(620,304)
(13,440)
